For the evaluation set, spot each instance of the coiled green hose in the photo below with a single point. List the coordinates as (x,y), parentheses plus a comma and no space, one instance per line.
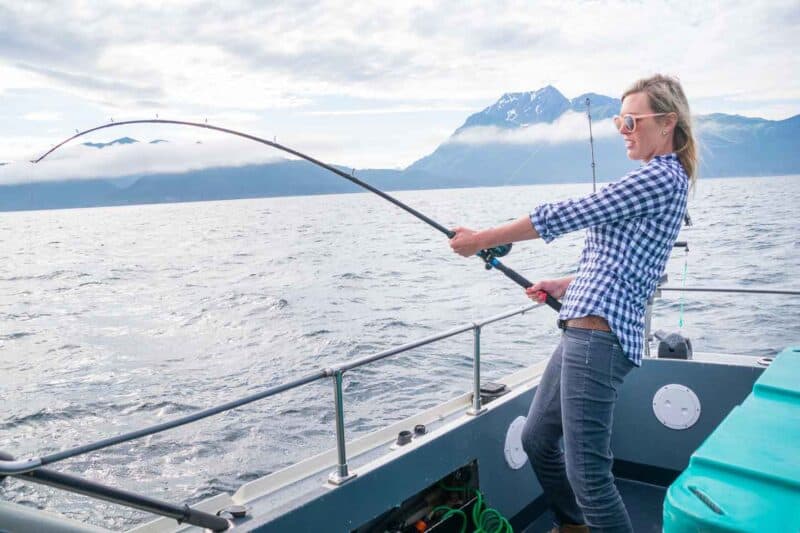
(484,518)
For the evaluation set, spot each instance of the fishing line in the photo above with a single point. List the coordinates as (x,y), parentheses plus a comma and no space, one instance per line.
(524,162)
(489,256)
(683,287)
(591,141)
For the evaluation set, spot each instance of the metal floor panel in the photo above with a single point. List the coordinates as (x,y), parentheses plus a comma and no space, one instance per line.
(643,501)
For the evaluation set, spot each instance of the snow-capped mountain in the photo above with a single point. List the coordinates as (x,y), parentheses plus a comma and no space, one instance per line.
(518,110)
(601,106)
(514,110)
(538,136)
(528,137)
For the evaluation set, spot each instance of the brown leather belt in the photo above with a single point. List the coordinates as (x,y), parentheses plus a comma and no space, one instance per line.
(585,322)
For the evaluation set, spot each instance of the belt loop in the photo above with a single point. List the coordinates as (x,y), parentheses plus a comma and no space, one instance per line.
(562,324)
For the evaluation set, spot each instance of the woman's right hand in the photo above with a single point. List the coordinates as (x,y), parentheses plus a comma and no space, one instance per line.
(554,287)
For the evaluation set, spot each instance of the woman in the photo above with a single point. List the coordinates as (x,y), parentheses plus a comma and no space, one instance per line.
(632,226)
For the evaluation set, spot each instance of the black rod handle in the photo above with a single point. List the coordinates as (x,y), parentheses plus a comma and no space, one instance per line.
(524,283)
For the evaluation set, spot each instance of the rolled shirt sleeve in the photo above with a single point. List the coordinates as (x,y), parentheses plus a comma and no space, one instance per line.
(643,192)
(631,226)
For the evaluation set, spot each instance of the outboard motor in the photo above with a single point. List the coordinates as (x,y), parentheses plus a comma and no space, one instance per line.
(673,345)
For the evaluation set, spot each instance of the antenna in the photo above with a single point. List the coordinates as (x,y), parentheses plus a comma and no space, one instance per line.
(591,141)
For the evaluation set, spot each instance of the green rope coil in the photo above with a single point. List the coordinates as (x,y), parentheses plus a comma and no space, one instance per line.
(484,518)
(449,511)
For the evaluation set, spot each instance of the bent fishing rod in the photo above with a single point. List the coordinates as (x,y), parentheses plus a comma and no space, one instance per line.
(489,256)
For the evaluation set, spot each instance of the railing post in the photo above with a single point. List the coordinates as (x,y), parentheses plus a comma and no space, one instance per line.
(340,475)
(476,408)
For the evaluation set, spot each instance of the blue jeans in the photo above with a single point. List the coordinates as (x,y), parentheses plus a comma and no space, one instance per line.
(575,400)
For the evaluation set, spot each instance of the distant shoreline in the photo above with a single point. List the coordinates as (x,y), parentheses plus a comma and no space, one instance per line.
(356,191)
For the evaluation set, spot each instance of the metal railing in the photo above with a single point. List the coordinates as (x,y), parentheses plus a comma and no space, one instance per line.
(31,469)
(648,336)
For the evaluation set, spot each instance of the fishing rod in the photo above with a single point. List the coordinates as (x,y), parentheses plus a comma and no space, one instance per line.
(591,141)
(489,256)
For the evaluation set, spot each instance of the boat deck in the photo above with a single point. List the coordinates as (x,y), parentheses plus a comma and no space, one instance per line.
(643,501)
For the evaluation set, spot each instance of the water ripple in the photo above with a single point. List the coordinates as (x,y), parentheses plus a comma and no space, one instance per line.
(161,321)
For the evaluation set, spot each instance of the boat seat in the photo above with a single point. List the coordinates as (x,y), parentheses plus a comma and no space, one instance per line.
(746,475)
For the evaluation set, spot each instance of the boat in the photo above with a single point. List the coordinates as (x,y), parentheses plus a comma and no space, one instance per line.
(701,442)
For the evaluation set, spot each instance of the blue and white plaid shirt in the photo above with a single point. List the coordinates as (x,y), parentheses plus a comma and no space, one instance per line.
(632,226)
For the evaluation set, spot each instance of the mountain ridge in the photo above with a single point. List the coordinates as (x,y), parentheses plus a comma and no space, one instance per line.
(731,145)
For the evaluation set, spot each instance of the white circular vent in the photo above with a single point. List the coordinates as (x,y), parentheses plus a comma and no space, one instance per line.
(676,406)
(515,455)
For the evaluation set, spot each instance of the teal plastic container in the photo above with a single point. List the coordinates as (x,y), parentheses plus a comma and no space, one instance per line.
(746,476)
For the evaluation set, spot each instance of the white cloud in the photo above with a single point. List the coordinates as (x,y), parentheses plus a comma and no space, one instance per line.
(209,58)
(570,126)
(22,147)
(262,55)
(12,77)
(42,116)
(388,110)
(83,162)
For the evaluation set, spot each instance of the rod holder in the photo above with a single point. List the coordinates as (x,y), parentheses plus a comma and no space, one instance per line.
(476,408)
(341,474)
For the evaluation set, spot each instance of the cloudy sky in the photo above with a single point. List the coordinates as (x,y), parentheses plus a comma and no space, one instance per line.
(362,84)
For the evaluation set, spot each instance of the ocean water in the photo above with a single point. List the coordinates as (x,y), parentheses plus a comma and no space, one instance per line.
(116,318)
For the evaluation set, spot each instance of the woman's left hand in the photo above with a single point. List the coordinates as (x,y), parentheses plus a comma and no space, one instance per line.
(465,242)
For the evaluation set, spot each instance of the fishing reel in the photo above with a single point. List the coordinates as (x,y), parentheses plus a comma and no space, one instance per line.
(491,253)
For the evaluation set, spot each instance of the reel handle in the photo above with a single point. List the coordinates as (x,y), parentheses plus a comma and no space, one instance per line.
(500,251)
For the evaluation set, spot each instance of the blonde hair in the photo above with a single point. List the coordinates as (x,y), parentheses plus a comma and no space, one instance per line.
(666,96)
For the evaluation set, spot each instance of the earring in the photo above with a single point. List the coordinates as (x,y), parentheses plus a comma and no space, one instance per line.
(663,132)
